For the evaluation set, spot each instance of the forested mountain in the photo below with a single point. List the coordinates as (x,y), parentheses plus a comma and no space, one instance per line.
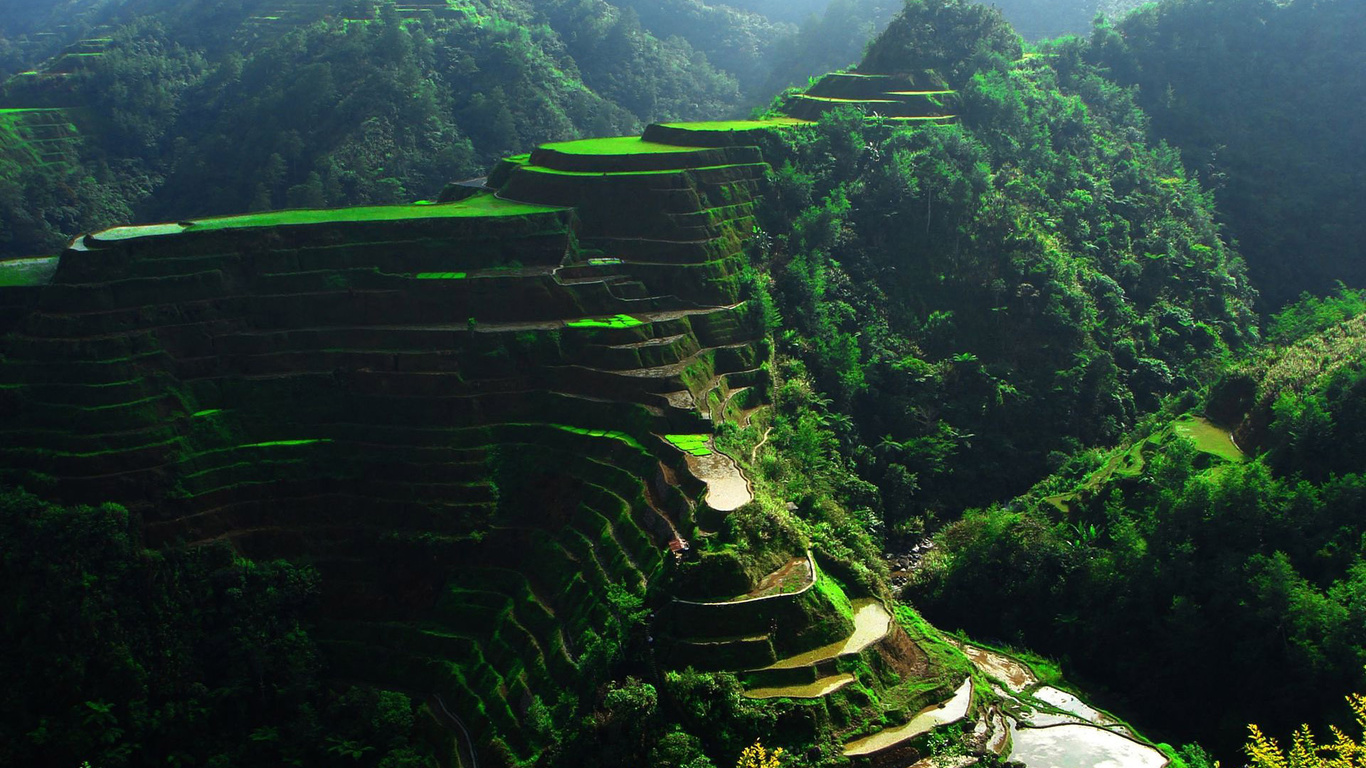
(982,299)
(1223,562)
(159,93)
(1265,100)
(189,109)
(348,103)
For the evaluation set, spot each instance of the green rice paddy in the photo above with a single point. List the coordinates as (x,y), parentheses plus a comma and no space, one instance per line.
(603,262)
(12,112)
(471,207)
(440,275)
(277,443)
(25,272)
(209,412)
(1208,438)
(617,321)
(624,145)
(692,444)
(609,433)
(1129,462)
(660,172)
(841,100)
(738,125)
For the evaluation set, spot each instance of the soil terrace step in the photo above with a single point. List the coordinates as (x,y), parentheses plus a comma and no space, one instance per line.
(944,713)
(871,624)
(823,686)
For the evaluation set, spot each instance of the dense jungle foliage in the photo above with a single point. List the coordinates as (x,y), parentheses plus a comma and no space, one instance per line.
(1205,593)
(1265,100)
(1238,583)
(181,657)
(983,299)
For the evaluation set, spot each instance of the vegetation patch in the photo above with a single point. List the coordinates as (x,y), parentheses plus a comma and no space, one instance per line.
(1209,438)
(616,321)
(693,444)
(440,276)
(609,433)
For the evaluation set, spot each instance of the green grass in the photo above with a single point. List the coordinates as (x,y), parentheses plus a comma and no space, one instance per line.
(603,261)
(24,272)
(617,321)
(623,145)
(693,444)
(27,111)
(1208,438)
(440,276)
(471,207)
(1129,462)
(209,412)
(949,661)
(274,443)
(827,587)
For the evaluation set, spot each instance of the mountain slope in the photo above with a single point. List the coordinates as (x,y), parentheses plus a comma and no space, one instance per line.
(1265,100)
(345,104)
(1220,559)
(981,298)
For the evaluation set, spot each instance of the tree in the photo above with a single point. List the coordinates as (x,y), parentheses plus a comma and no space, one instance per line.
(1306,751)
(756,756)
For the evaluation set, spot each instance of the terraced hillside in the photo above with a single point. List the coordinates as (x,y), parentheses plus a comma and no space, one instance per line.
(49,85)
(480,391)
(488,421)
(280,16)
(923,98)
(32,138)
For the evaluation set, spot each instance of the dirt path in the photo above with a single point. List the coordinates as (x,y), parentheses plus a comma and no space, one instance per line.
(450,719)
(754,452)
